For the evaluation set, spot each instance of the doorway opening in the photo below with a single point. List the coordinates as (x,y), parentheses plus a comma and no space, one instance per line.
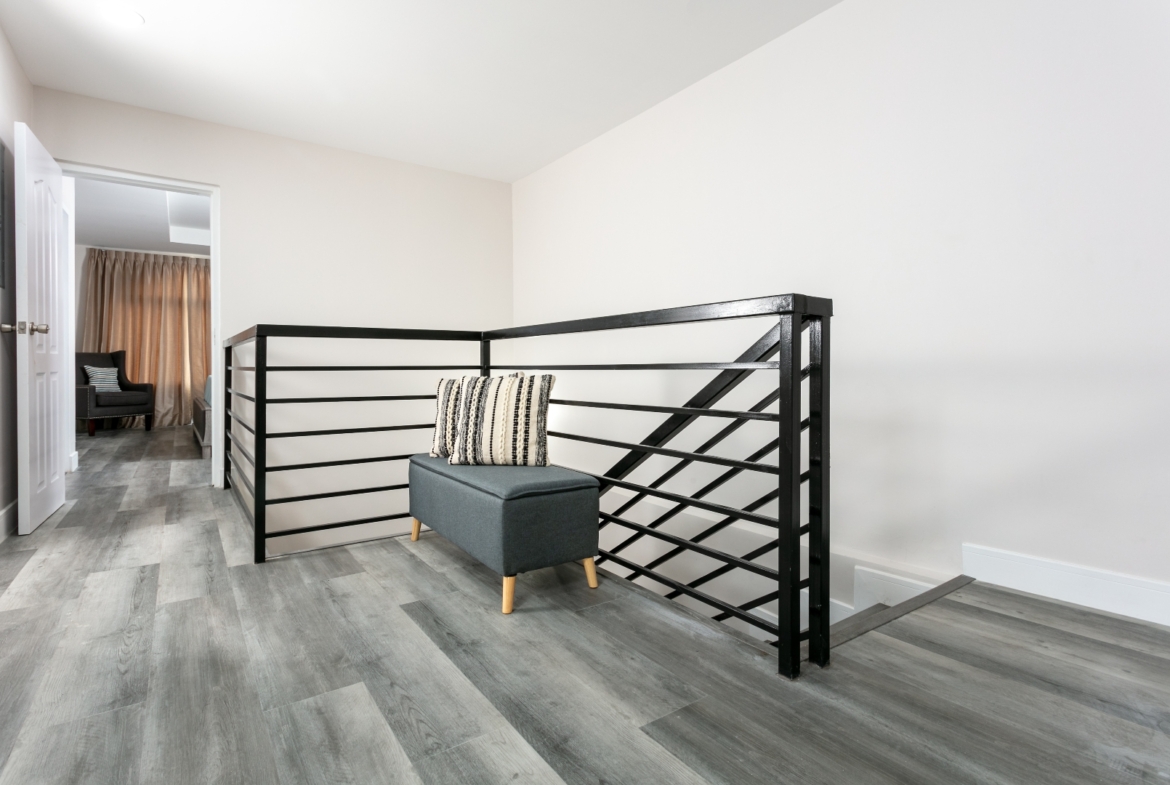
(144,282)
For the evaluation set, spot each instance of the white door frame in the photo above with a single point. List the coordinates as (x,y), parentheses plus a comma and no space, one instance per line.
(74,169)
(68,426)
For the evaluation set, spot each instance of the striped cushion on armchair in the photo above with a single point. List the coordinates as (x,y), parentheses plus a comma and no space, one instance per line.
(104,379)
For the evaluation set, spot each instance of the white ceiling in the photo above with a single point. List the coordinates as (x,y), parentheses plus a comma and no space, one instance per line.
(114,215)
(495,88)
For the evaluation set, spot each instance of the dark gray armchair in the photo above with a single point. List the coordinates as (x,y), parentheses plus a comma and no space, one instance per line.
(135,400)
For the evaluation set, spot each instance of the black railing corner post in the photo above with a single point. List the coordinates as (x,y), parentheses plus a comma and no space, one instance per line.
(818,492)
(260,486)
(788,497)
(227,421)
(485,357)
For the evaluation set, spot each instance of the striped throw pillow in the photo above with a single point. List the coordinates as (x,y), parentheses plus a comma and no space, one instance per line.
(503,421)
(104,379)
(446,417)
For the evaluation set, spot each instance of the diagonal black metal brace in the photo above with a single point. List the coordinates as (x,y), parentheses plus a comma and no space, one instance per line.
(715,390)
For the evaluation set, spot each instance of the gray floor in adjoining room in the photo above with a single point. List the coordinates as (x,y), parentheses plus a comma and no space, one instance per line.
(139,644)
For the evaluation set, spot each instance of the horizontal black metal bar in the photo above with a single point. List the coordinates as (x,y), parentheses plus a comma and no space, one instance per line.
(241,476)
(239,444)
(768,366)
(281,368)
(383,333)
(758,601)
(324,526)
(698,595)
(237,418)
(681,542)
(291,467)
(239,394)
(710,576)
(731,512)
(689,456)
(634,407)
(332,431)
(351,398)
(734,309)
(331,494)
(711,530)
(707,489)
(749,605)
(661,437)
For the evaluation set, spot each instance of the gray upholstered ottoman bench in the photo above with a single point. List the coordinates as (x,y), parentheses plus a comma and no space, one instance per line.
(512,518)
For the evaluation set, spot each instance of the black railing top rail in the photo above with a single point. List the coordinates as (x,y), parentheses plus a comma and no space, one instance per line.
(312,331)
(731,309)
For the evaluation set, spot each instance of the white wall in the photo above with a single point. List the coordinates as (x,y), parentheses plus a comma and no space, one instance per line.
(16,92)
(310,234)
(982,188)
(15,104)
(314,235)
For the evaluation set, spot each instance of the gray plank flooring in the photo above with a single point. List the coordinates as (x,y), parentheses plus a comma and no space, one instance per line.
(203,721)
(139,644)
(340,736)
(193,564)
(103,660)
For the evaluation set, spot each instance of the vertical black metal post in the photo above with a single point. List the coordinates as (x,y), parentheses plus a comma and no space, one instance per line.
(227,421)
(818,492)
(788,498)
(485,357)
(259,503)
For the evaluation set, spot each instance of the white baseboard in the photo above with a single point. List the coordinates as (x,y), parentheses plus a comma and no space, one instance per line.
(8,520)
(1114,592)
(73,461)
(872,586)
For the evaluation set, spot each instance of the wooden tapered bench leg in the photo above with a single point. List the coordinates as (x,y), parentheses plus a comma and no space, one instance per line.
(509,592)
(415,528)
(590,572)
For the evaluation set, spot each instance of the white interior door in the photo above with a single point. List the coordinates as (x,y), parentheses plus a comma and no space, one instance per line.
(43,223)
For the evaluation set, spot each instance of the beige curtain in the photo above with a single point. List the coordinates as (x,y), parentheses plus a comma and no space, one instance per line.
(157,308)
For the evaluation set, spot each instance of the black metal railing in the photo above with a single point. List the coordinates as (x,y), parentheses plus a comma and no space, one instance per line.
(778,351)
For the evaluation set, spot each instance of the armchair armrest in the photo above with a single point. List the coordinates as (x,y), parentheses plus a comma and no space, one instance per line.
(146,388)
(85,400)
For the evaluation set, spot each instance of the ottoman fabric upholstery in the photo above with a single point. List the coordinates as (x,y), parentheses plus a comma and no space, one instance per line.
(511,518)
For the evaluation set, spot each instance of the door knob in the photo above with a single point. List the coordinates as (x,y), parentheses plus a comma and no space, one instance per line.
(7,328)
(40,328)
